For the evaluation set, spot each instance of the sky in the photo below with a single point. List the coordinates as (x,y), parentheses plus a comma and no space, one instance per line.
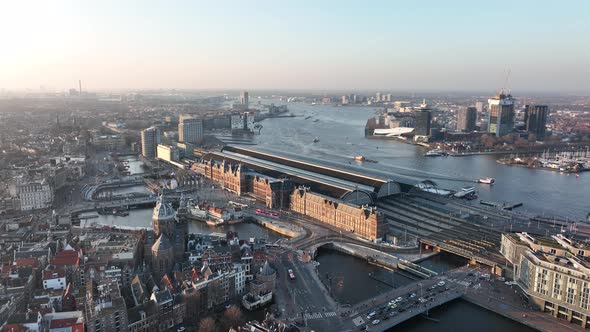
(300,44)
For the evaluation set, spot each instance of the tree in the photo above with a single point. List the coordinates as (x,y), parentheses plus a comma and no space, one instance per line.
(233,317)
(207,325)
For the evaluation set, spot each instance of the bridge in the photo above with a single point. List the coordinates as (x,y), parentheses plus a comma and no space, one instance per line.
(128,202)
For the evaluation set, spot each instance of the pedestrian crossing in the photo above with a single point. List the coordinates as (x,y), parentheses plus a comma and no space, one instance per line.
(318,315)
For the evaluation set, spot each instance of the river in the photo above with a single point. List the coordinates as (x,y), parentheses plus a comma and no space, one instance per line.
(341,134)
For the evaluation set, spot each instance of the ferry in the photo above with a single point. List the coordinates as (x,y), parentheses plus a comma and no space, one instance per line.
(486,180)
(465,192)
(291,274)
(435,153)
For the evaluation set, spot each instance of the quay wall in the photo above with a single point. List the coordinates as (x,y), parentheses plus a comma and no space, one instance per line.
(278,228)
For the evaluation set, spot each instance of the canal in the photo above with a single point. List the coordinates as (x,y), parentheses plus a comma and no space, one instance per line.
(143,218)
(351,283)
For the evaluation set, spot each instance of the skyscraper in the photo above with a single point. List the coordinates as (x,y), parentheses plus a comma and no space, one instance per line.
(423,119)
(501,114)
(150,138)
(244,99)
(535,120)
(378,96)
(479,107)
(190,130)
(466,118)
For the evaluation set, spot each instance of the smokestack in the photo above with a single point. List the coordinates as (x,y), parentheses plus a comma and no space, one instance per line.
(80,85)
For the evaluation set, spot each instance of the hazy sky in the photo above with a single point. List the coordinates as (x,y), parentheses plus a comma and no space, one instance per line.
(401,45)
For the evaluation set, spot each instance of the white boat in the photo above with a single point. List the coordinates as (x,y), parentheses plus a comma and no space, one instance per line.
(315,140)
(359,158)
(435,153)
(486,180)
(465,192)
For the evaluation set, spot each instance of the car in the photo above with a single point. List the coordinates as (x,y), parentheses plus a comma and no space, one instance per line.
(393,313)
(371,314)
(399,299)
(413,295)
(441,283)
(393,306)
(376,321)
(502,279)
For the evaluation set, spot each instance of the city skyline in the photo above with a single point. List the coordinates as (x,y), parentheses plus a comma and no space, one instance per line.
(297,45)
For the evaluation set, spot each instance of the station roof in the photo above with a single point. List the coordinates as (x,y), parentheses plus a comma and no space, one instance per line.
(361,175)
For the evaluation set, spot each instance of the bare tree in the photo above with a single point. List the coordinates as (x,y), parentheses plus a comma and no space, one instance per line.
(207,325)
(233,317)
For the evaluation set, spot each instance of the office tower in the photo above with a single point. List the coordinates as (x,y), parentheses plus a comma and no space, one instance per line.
(190,130)
(423,119)
(501,114)
(244,99)
(535,120)
(150,138)
(479,107)
(378,97)
(466,118)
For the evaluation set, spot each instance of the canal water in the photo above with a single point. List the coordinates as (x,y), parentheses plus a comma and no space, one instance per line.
(340,131)
(351,284)
(143,218)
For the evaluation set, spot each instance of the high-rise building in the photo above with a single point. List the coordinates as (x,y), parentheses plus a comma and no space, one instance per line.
(466,118)
(244,99)
(190,130)
(150,138)
(535,120)
(423,119)
(378,97)
(479,107)
(501,114)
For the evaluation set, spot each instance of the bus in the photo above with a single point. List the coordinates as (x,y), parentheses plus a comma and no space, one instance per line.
(291,274)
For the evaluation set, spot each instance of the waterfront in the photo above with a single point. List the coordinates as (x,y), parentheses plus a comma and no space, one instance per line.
(461,316)
(143,218)
(341,134)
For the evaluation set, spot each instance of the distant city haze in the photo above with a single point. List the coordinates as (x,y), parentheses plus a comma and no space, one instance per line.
(348,45)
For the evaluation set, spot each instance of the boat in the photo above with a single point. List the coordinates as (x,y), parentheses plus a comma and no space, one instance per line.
(214,222)
(316,120)
(435,153)
(315,140)
(362,158)
(195,212)
(486,180)
(307,117)
(465,192)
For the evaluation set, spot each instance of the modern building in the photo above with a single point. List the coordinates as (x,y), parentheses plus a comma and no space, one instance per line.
(150,138)
(167,152)
(501,114)
(466,118)
(244,99)
(535,120)
(553,272)
(423,120)
(479,107)
(190,130)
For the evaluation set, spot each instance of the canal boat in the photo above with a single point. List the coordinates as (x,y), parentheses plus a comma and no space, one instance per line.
(486,180)
(465,192)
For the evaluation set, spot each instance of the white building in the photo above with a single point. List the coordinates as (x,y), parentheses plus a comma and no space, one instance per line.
(54,279)
(167,152)
(150,138)
(190,130)
(35,195)
(249,121)
(240,278)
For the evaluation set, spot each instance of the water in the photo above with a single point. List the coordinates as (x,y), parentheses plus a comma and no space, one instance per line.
(443,262)
(341,134)
(135,165)
(462,316)
(351,284)
(143,218)
(350,276)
